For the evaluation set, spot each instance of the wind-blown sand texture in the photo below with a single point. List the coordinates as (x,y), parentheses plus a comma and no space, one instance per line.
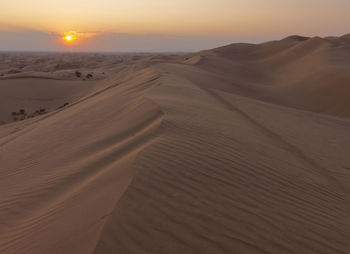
(240,149)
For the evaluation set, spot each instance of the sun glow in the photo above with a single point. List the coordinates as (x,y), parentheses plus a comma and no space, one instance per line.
(70,36)
(76,39)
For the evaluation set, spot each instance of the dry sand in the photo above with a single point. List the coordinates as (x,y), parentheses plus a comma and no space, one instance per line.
(240,149)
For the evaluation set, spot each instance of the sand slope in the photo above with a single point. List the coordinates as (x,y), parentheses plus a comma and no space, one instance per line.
(62,174)
(231,150)
(233,175)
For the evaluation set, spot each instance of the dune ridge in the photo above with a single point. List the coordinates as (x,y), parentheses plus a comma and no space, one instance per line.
(239,149)
(235,184)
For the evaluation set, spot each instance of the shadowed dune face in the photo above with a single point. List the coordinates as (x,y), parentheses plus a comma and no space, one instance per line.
(30,82)
(215,152)
(33,94)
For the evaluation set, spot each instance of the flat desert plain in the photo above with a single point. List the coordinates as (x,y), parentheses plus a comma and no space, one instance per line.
(239,149)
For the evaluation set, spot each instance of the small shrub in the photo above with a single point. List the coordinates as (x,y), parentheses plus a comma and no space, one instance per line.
(22,111)
(66,104)
(89,75)
(78,74)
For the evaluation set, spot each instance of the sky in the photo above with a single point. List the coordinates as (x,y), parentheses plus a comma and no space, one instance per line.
(162,25)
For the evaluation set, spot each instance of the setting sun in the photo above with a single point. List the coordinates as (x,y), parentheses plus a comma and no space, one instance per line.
(68,37)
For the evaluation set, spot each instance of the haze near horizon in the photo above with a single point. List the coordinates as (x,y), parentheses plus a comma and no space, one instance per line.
(154,25)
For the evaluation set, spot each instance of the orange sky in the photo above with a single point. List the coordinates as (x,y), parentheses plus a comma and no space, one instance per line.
(182,17)
(212,22)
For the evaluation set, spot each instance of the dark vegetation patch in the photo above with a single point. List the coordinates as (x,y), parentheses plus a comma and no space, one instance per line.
(22,114)
(78,74)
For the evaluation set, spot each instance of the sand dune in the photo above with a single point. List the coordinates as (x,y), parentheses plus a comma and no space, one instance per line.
(240,149)
(308,73)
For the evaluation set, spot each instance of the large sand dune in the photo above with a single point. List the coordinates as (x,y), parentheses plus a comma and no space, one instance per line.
(240,149)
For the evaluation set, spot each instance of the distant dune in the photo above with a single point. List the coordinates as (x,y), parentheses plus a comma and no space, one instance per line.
(308,73)
(239,149)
